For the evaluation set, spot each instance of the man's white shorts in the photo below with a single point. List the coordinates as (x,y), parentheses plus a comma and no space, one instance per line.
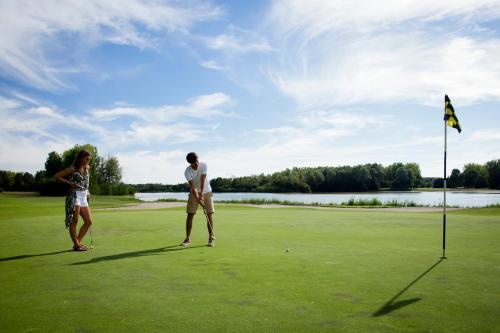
(81,198)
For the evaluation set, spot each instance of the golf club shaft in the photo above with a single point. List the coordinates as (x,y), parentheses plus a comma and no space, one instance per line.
(208,221)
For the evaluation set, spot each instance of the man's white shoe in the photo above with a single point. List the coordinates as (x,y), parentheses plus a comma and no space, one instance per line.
(186,243)
(211,242)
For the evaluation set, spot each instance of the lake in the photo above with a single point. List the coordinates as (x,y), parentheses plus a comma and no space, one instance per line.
(453,198)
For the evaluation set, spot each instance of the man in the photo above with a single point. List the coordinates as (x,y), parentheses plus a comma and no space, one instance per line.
(201,193)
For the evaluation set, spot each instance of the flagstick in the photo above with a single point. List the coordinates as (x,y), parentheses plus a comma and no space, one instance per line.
(444,192)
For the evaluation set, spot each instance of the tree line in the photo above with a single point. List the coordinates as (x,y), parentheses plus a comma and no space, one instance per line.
(105,175)
(473,176)
(359,178)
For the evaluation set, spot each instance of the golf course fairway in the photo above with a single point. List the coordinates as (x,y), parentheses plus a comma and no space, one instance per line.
(272,270)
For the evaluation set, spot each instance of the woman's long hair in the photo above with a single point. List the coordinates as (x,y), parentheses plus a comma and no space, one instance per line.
(78,162)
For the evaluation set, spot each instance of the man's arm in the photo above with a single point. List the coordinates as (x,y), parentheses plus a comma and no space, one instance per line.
(195,192)
(202,180)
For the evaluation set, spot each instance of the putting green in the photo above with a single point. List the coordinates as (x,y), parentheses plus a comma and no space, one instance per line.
(345,271)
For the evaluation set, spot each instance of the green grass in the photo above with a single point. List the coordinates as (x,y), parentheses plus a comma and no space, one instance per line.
(345,271)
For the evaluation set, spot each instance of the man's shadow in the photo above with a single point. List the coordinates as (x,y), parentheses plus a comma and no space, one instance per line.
(136,254)
(392,305)
(25,256)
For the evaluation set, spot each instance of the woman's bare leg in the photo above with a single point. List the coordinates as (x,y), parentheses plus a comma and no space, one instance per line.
(72,227)
(87,222)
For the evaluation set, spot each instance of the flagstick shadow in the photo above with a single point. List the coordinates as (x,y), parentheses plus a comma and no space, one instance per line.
(136,254)
(391,305)
(25,256)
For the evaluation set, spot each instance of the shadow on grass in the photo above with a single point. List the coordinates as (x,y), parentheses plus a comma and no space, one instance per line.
(25,256)
(392,305)
(136,254)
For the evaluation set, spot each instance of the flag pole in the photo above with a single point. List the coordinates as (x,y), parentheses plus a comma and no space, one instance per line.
(444,191)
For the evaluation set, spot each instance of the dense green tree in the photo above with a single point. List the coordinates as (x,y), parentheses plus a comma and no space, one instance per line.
(314,178)
(438,183)
(427,182)
(475,176)
(455,180)
(28,181)
(390,174)
(493,168)
(53,164)
(7,179)
(414,174)
(377,176)
(402,179)
(109,171)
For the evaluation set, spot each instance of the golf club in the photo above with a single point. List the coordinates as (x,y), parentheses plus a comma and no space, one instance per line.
(91,241)
(90,230)
(208,222)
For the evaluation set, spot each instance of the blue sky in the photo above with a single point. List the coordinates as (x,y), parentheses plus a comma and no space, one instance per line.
(252,86)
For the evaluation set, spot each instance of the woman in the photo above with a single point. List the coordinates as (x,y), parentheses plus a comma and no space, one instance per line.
(77,176)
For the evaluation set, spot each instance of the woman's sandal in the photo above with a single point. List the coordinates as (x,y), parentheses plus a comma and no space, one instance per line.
(79,248)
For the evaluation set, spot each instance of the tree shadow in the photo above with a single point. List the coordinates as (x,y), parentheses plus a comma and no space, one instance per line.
(391,305)
(25,256)
(136,254)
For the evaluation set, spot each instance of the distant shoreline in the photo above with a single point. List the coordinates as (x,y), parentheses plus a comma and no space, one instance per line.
(417,190)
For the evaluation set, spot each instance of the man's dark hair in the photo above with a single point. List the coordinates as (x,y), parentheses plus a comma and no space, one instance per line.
(191,157)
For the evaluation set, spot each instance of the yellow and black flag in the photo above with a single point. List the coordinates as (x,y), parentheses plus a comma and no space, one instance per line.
(449,114)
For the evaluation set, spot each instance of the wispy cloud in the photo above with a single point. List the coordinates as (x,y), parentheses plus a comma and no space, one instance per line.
(336,53)
(139,166)
(32,29)
(212,64)
(45,126)
(486,135)
(239,41)
(203,106)
(316,17)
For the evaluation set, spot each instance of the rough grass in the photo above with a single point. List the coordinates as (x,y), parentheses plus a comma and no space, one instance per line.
(344,271)
(352,202)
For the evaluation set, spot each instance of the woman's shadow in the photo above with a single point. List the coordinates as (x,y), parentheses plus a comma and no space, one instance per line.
(136,254)
(25,256)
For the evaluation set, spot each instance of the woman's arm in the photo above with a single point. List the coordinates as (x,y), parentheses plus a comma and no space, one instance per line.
(63,173)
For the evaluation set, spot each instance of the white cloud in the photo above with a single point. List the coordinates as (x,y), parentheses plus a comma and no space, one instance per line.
(203,106)
(239,41)
(167,134)
(152,166)
(167,124)
(31,30)
(39,126)
(343,53)
(46,111)
(27,154)
(114,113)
(8,104)
(212,64)
(487,135)
(316,17)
